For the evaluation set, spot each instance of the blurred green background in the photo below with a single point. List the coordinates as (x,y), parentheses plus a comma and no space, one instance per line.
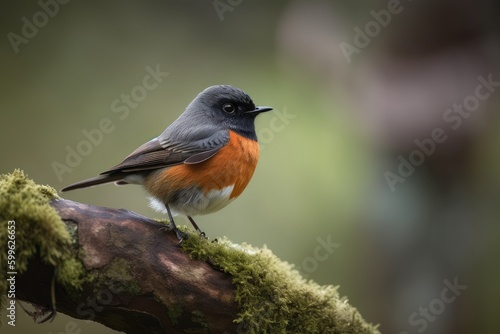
(337,127)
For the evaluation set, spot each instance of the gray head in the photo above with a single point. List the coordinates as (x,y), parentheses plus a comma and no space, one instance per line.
(220,107)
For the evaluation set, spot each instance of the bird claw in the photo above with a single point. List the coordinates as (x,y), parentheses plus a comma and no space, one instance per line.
(180,235)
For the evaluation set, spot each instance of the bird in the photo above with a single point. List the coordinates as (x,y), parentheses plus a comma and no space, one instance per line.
(200,163)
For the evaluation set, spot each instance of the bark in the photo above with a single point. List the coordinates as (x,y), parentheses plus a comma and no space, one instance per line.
(131,274)
(142,280)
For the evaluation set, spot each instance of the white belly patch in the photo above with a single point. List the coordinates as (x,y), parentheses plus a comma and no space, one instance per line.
(193,202)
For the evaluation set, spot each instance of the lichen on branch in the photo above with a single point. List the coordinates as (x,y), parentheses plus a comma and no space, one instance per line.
(197,286)
(272,296)
(39,231)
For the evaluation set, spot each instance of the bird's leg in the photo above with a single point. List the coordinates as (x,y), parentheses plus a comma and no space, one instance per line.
(180,235)
(196,227)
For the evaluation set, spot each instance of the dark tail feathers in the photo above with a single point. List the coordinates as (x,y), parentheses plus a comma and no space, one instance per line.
(105,178)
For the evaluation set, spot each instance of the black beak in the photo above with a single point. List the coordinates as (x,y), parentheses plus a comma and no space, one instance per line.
(258,110)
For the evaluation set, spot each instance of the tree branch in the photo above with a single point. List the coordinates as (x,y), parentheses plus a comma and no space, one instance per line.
(131,274)
(143,281)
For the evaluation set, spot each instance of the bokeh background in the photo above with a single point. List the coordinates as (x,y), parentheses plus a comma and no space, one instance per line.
(340,124)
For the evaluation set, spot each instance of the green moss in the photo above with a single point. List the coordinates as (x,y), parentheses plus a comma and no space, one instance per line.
(198,317)
(39,230)
(174,313)
(116,277)
(273,297)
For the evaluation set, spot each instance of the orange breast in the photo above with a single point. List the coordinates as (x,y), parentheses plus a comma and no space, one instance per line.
(234,165)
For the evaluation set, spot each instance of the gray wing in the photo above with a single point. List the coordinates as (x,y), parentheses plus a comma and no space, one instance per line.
(178,144)
(163,152)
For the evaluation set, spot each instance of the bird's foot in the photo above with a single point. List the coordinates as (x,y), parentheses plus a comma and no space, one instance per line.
(197,228)
(180,235)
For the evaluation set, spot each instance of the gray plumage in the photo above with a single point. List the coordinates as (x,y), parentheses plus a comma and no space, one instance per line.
(195,136)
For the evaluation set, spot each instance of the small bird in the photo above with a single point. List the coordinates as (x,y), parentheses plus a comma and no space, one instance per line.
(201,162)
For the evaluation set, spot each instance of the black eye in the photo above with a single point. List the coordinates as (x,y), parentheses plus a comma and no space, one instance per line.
(228,108)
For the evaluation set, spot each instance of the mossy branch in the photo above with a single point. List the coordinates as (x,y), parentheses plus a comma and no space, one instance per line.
(130,273)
